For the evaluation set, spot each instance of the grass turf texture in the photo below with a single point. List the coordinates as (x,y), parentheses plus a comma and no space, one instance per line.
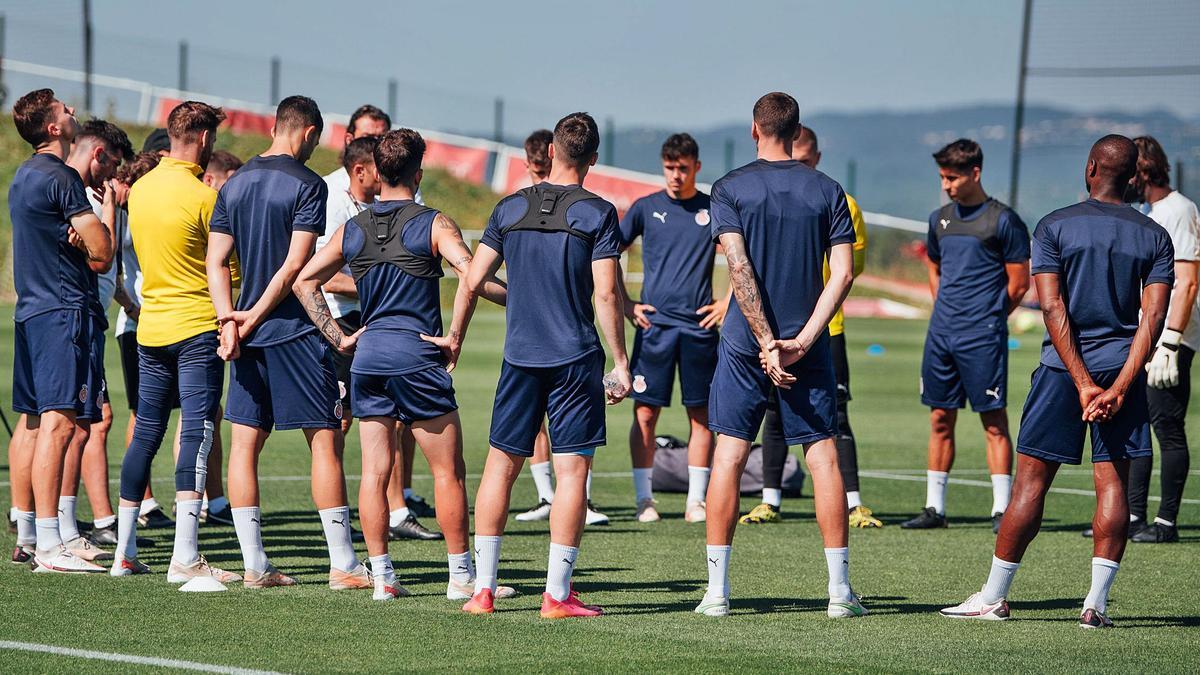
(648,577)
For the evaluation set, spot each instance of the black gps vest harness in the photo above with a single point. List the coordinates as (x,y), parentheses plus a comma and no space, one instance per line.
(383,242)
(547,211)
(982,227)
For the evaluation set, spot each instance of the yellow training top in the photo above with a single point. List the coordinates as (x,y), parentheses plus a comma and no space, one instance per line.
(169,210)
(837,324)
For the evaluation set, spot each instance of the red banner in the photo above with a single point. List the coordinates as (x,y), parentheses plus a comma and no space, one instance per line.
(620,190)
(469,164)
(237,121)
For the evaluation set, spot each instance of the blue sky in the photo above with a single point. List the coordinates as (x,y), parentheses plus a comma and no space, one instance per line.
(696,63)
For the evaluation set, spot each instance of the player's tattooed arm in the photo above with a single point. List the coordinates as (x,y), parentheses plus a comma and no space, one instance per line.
(454,249)
(307,288)
(749,299)
(447,242)
(318,310)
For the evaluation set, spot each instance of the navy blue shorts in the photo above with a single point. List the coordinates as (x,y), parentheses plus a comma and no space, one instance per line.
(741,392)
(50,362)
(411,397)
(1051,428)
(570,395)
(957,368)
(93,408)
(290,385)
(657,351)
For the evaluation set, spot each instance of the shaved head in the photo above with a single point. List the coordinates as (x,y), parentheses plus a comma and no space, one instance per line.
(1111,164)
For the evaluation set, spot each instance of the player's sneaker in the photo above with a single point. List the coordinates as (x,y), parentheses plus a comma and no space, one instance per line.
(60,560)
(419,507)
(928,519)
(763,513)
(107,536)
(646,513)
(593,516)
(385,590)
(566,609)
(268,578)
(1093,619)
(124,567)
(222,516)
(81,547)
(1156,533)
(849,609)
(22,554)
(713,605)
(356,579)
(482,602)
(975,608)
(862,518)
(409,528)
(539,512)
(696,512)
(179,573)
(464,590)
(155,520)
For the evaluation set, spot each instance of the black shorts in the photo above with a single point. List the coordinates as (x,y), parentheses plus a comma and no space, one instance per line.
(129,367)
(349,323)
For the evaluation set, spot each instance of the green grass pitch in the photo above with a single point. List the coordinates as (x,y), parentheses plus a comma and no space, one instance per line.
(648,577)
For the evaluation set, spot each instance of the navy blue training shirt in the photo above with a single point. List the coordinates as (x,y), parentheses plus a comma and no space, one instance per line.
(790,215)
(397,307)
(971,250)
(550,319)
(260,207)
(677,255)
(1104,254)
(48,272)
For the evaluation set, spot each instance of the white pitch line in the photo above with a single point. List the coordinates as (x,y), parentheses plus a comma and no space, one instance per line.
(981,483)
(173,664)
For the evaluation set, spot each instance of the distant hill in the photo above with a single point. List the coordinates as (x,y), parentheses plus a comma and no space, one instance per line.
(896,175)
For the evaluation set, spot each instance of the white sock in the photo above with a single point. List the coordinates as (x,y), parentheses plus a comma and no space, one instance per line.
(127,532)
(487,561)
(148,506)
(589,486)
(12,514)
(26,530)
(381,568)
(718,570)
(219,504)
(697,483)
(47,533)
(773,496)
(68,527)
(837,561)
(187,531)
(336,522)
(853,499)
(999,580)
(397,516)
(1104,572)
(247,521)
(461,569)
(560,569)
(935,490)
(1163,521)
(541,479)
(101,523)
(408,493)
(1001,487)
(643,480)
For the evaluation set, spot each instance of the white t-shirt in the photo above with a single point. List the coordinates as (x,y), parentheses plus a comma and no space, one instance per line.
(108,280)
(1179,217)
(132,271)
(341,207)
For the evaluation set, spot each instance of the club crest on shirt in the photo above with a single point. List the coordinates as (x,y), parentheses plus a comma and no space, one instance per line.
(341,389)
(702,218)
(639,384)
